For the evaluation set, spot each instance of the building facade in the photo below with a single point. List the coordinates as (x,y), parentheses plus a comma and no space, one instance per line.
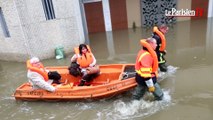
(36,27)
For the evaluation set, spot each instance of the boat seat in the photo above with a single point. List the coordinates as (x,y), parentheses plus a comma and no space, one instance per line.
(106,77)
(66,86)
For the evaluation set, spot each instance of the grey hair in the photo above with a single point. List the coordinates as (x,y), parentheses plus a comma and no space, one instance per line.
(34,60)
(150,40)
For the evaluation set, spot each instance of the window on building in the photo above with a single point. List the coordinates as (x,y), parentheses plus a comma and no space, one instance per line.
(4,25)
(48,9)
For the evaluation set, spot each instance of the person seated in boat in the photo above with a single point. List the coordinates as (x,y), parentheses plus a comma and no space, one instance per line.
(38,76)
(86,62)
(146,68)
(159,35)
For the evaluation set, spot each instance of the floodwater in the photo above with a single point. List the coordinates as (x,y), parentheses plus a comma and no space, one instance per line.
(188,92)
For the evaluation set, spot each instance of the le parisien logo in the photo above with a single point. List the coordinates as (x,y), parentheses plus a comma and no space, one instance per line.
(198,12)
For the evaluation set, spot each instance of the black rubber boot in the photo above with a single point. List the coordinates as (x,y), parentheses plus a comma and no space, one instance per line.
(163,67)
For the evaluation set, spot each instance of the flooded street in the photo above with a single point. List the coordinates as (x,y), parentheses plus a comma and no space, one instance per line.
(188,92)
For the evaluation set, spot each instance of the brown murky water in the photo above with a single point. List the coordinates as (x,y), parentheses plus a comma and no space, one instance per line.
(188,92)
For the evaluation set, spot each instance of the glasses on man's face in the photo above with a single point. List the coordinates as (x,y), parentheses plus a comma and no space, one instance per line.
(36,63)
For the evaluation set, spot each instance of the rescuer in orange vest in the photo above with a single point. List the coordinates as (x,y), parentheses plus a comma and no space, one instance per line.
(159,35)
(146,68)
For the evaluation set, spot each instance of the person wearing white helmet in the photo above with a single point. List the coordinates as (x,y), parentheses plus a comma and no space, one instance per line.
(38,76)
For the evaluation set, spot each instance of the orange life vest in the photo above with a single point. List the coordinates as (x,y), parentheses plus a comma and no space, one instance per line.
(43,73)
(146,72)
(84,60)
(162,37)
